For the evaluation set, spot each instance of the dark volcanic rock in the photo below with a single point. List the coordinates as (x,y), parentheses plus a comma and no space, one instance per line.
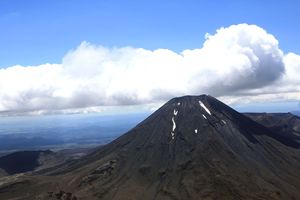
(193,147)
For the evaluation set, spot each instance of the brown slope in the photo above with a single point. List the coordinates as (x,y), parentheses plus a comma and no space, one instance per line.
(230,157)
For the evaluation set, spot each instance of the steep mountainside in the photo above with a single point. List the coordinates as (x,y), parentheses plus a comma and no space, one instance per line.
(193,147)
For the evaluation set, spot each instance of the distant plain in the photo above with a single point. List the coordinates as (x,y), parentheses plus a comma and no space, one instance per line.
(58,132)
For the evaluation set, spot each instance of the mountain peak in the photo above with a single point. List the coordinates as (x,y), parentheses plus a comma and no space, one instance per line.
(199,144)
(190,99)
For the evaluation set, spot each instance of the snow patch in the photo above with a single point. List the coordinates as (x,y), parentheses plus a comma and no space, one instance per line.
(173,135)
(205,108)
(178,104)
(196,130)
(224,122)
(174,124)
(204,116)
(175,112)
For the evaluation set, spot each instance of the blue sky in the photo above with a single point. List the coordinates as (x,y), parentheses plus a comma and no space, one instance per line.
(40,31)
(76,50)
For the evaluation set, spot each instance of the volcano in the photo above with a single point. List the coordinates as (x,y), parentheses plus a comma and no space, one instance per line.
(193,147)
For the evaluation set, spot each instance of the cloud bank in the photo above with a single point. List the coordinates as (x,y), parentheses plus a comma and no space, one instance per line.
(235,62)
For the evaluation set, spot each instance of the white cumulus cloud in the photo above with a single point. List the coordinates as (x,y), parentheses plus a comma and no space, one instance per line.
(235,62)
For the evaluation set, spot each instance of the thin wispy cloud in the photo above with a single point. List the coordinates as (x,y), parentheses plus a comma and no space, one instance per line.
(235,62)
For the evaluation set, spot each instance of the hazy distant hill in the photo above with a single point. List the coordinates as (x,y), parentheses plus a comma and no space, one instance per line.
(26,161)
(2,173)
(296,113)
(22,161)
(286,124)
